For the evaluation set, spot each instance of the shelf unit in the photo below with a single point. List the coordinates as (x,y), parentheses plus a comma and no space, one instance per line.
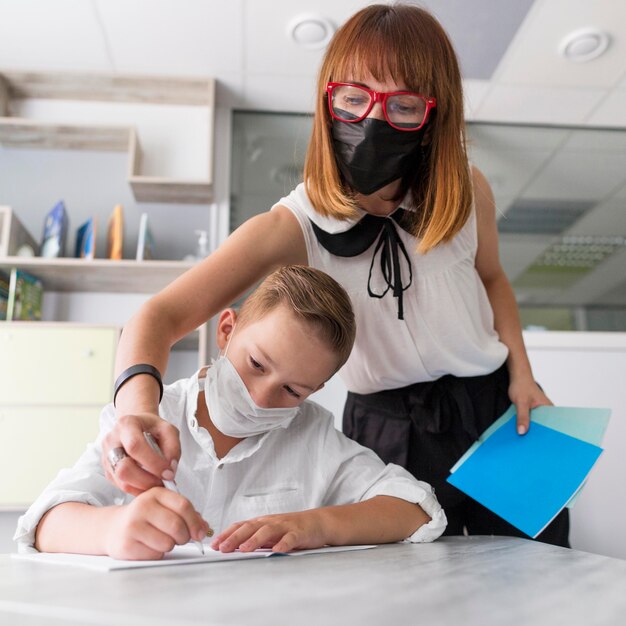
(94,275)
(27,133)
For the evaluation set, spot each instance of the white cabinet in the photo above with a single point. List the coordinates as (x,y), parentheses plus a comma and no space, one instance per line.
(54,381)
(56,365)
(36,444)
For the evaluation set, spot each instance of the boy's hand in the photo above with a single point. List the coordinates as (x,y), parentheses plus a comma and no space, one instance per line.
(281,533)
(152,525)
(143,468)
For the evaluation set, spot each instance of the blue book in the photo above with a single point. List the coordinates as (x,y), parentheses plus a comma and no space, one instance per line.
(526,480)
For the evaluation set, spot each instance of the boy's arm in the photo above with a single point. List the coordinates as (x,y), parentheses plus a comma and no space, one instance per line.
(382,519)
(148,527)
(75,527)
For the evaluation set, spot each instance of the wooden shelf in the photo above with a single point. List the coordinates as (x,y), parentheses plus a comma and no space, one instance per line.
(99,275)
(27,133)
(23,133)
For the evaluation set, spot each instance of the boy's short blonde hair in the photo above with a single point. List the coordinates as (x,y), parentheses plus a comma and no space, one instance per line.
(314,298)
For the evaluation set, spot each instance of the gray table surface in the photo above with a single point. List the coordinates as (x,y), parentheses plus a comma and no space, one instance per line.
(456,580)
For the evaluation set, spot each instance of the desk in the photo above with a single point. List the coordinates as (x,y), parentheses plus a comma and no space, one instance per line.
(480,581)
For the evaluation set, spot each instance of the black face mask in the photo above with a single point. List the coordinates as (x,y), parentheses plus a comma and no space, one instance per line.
(371,153)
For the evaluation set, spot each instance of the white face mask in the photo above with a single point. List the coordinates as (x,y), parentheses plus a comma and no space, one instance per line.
(231,407)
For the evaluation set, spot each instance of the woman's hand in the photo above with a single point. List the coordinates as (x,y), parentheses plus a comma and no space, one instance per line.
(281,533)
(143,468)
(152,525)
(526,394)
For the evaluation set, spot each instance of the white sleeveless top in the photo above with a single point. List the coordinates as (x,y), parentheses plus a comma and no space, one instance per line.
(448,321)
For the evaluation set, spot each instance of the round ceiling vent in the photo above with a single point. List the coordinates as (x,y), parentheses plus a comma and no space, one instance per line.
(584,45)
(310,31)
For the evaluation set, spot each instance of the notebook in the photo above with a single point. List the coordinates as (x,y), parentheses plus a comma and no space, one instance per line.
(180,555)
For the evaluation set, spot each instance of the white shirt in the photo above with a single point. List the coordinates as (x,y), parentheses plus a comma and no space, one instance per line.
(307,465)
(448,325)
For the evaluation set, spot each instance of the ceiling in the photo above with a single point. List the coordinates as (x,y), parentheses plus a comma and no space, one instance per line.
(508,50)
(513,75)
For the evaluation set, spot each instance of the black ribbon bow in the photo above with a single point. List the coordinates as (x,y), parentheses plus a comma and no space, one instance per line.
(390,246)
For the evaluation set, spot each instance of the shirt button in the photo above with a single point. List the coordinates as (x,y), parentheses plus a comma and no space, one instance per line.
(193,422)
(220,466)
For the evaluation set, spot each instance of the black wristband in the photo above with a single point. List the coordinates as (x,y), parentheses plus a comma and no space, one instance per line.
(133,370)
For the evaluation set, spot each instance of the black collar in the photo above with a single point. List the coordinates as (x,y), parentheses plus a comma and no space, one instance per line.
(360,238)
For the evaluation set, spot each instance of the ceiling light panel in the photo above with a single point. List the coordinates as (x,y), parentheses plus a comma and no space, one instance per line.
(310,30)
(568,260)
(585,44)
(542,216)
(579,252)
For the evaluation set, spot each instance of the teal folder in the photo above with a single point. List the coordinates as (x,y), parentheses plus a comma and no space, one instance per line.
(527,480)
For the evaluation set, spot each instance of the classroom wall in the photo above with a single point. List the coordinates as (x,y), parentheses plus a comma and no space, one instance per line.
(587,369)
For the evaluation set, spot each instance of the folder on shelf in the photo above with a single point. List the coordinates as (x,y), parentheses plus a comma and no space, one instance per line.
(145,240)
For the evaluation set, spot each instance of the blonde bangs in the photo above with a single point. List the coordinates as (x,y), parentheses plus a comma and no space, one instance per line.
(378,48)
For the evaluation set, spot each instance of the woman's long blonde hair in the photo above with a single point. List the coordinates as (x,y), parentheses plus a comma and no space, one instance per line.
(407,44)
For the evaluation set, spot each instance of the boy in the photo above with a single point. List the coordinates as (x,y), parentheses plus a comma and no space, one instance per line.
(252,448)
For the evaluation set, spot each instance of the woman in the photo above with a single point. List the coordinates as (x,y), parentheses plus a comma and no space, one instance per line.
(390,208)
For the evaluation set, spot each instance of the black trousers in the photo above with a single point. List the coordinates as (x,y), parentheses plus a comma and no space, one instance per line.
(426,427)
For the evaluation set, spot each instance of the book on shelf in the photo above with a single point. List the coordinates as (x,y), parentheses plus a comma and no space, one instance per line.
(4,295)
(25,296)
(115,234)
(55,231)
(86,240)
(145,240)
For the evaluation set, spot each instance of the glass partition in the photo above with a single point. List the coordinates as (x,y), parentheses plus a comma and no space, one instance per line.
(561,207)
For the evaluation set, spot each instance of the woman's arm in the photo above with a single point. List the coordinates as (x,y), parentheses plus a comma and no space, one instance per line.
(523,390)
(256,248)
(382,519)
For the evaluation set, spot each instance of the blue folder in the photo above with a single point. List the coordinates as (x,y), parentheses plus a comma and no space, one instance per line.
(588,424)
(525,480)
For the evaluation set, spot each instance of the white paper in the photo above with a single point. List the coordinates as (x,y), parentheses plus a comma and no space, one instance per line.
(180,555)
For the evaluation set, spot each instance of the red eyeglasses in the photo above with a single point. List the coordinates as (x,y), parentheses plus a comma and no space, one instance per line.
(404,110)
